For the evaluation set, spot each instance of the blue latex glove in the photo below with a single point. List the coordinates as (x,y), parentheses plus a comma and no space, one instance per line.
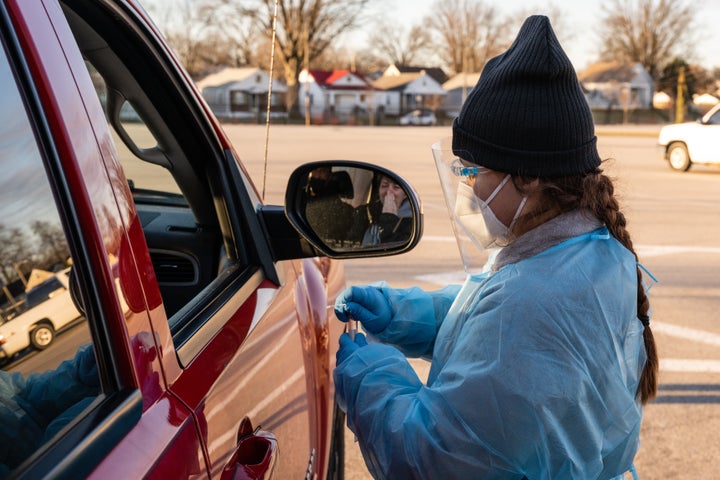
(348,346)
(366,304)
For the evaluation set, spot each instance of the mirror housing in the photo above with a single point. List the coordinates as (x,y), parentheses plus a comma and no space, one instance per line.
(336,210)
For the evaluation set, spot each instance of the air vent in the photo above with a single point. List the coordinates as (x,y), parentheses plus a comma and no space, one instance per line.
(174,267)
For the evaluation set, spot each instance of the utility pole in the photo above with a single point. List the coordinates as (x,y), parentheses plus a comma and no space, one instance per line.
(18,270)
(680,100)
(307,73)
(464,72)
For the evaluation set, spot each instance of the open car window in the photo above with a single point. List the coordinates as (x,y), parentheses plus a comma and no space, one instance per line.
(141,175)
(175,170)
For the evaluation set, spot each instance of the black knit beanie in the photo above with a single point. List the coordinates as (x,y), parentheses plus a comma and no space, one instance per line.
(527,114)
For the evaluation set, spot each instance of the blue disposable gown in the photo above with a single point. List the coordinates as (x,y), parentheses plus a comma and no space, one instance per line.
(532,374)
(35,408)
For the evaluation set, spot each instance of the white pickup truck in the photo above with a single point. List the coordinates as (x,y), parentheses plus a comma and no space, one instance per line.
(683,144)
(49,309)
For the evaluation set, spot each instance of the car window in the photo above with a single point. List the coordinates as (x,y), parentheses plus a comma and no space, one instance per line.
(43,292)
(49,374)
(141,175)
(715,119)
(175,170)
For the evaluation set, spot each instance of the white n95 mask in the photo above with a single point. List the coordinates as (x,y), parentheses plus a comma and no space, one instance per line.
(479,221)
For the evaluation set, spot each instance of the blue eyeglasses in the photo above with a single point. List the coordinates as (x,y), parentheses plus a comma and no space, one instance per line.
(460,170)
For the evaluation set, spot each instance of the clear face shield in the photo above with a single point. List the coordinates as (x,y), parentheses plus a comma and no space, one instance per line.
(478,231)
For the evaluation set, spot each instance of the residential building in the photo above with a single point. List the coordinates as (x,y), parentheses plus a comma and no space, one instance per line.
(403,92)
(335,95)
(617,86)
(241,93)
(436,73)
(458,88)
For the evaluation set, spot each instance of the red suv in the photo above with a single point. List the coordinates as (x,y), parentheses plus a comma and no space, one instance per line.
(207,346)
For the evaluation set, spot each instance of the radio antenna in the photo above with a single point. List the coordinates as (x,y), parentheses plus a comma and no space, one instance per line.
(269,98)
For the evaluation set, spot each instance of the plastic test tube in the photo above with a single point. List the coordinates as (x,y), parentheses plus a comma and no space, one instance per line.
(352,329)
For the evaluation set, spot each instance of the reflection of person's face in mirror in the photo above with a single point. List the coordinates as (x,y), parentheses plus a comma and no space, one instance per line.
(391,194)
(318,181)
(321,172)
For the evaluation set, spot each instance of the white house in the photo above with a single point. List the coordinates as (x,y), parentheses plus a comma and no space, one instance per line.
(435,72)
(457,89)
(403,92)
(236,93)
(334,94)
(617,86)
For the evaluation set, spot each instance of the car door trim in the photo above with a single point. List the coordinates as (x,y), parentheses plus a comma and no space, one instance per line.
(218,315)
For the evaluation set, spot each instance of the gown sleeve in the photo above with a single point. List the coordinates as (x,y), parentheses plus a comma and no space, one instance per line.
(416,318)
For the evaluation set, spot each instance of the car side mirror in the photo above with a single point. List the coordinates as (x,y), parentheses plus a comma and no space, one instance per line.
(351,209)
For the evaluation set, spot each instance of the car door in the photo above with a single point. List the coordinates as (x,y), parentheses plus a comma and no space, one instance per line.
(235,331)
(703,144)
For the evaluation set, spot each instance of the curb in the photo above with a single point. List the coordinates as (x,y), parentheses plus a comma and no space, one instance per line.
(628,131)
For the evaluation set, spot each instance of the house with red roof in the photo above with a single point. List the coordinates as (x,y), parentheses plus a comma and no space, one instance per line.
(335,95)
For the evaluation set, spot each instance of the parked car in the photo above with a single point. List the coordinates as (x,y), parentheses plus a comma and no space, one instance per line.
(419,117)
(692,142)
(208,311)
(49,310)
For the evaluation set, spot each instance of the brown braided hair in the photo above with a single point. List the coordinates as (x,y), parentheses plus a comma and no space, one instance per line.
(595,192)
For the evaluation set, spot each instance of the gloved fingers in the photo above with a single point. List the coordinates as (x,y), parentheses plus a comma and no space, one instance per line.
(347,342)
(365,304)
(357,303)
(365,295)
(341,312)
(355,311)
(347,348)
(341,305)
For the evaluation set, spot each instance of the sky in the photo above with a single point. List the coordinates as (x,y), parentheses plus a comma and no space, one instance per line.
(582,20)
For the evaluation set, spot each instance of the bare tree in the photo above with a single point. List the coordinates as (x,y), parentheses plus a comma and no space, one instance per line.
(467,33)
(336,58)
(13,250)
(368,61)
(52,244)
(305,29)
(237,37)
(187,25)
(399,45)
(208,33)
(652,32)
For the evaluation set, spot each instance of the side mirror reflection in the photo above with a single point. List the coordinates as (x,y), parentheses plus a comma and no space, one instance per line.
(351,207)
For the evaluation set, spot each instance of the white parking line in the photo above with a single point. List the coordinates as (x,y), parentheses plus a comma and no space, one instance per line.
(438,238)
(642,250)
(687,365)
(699,336)
(657,250)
